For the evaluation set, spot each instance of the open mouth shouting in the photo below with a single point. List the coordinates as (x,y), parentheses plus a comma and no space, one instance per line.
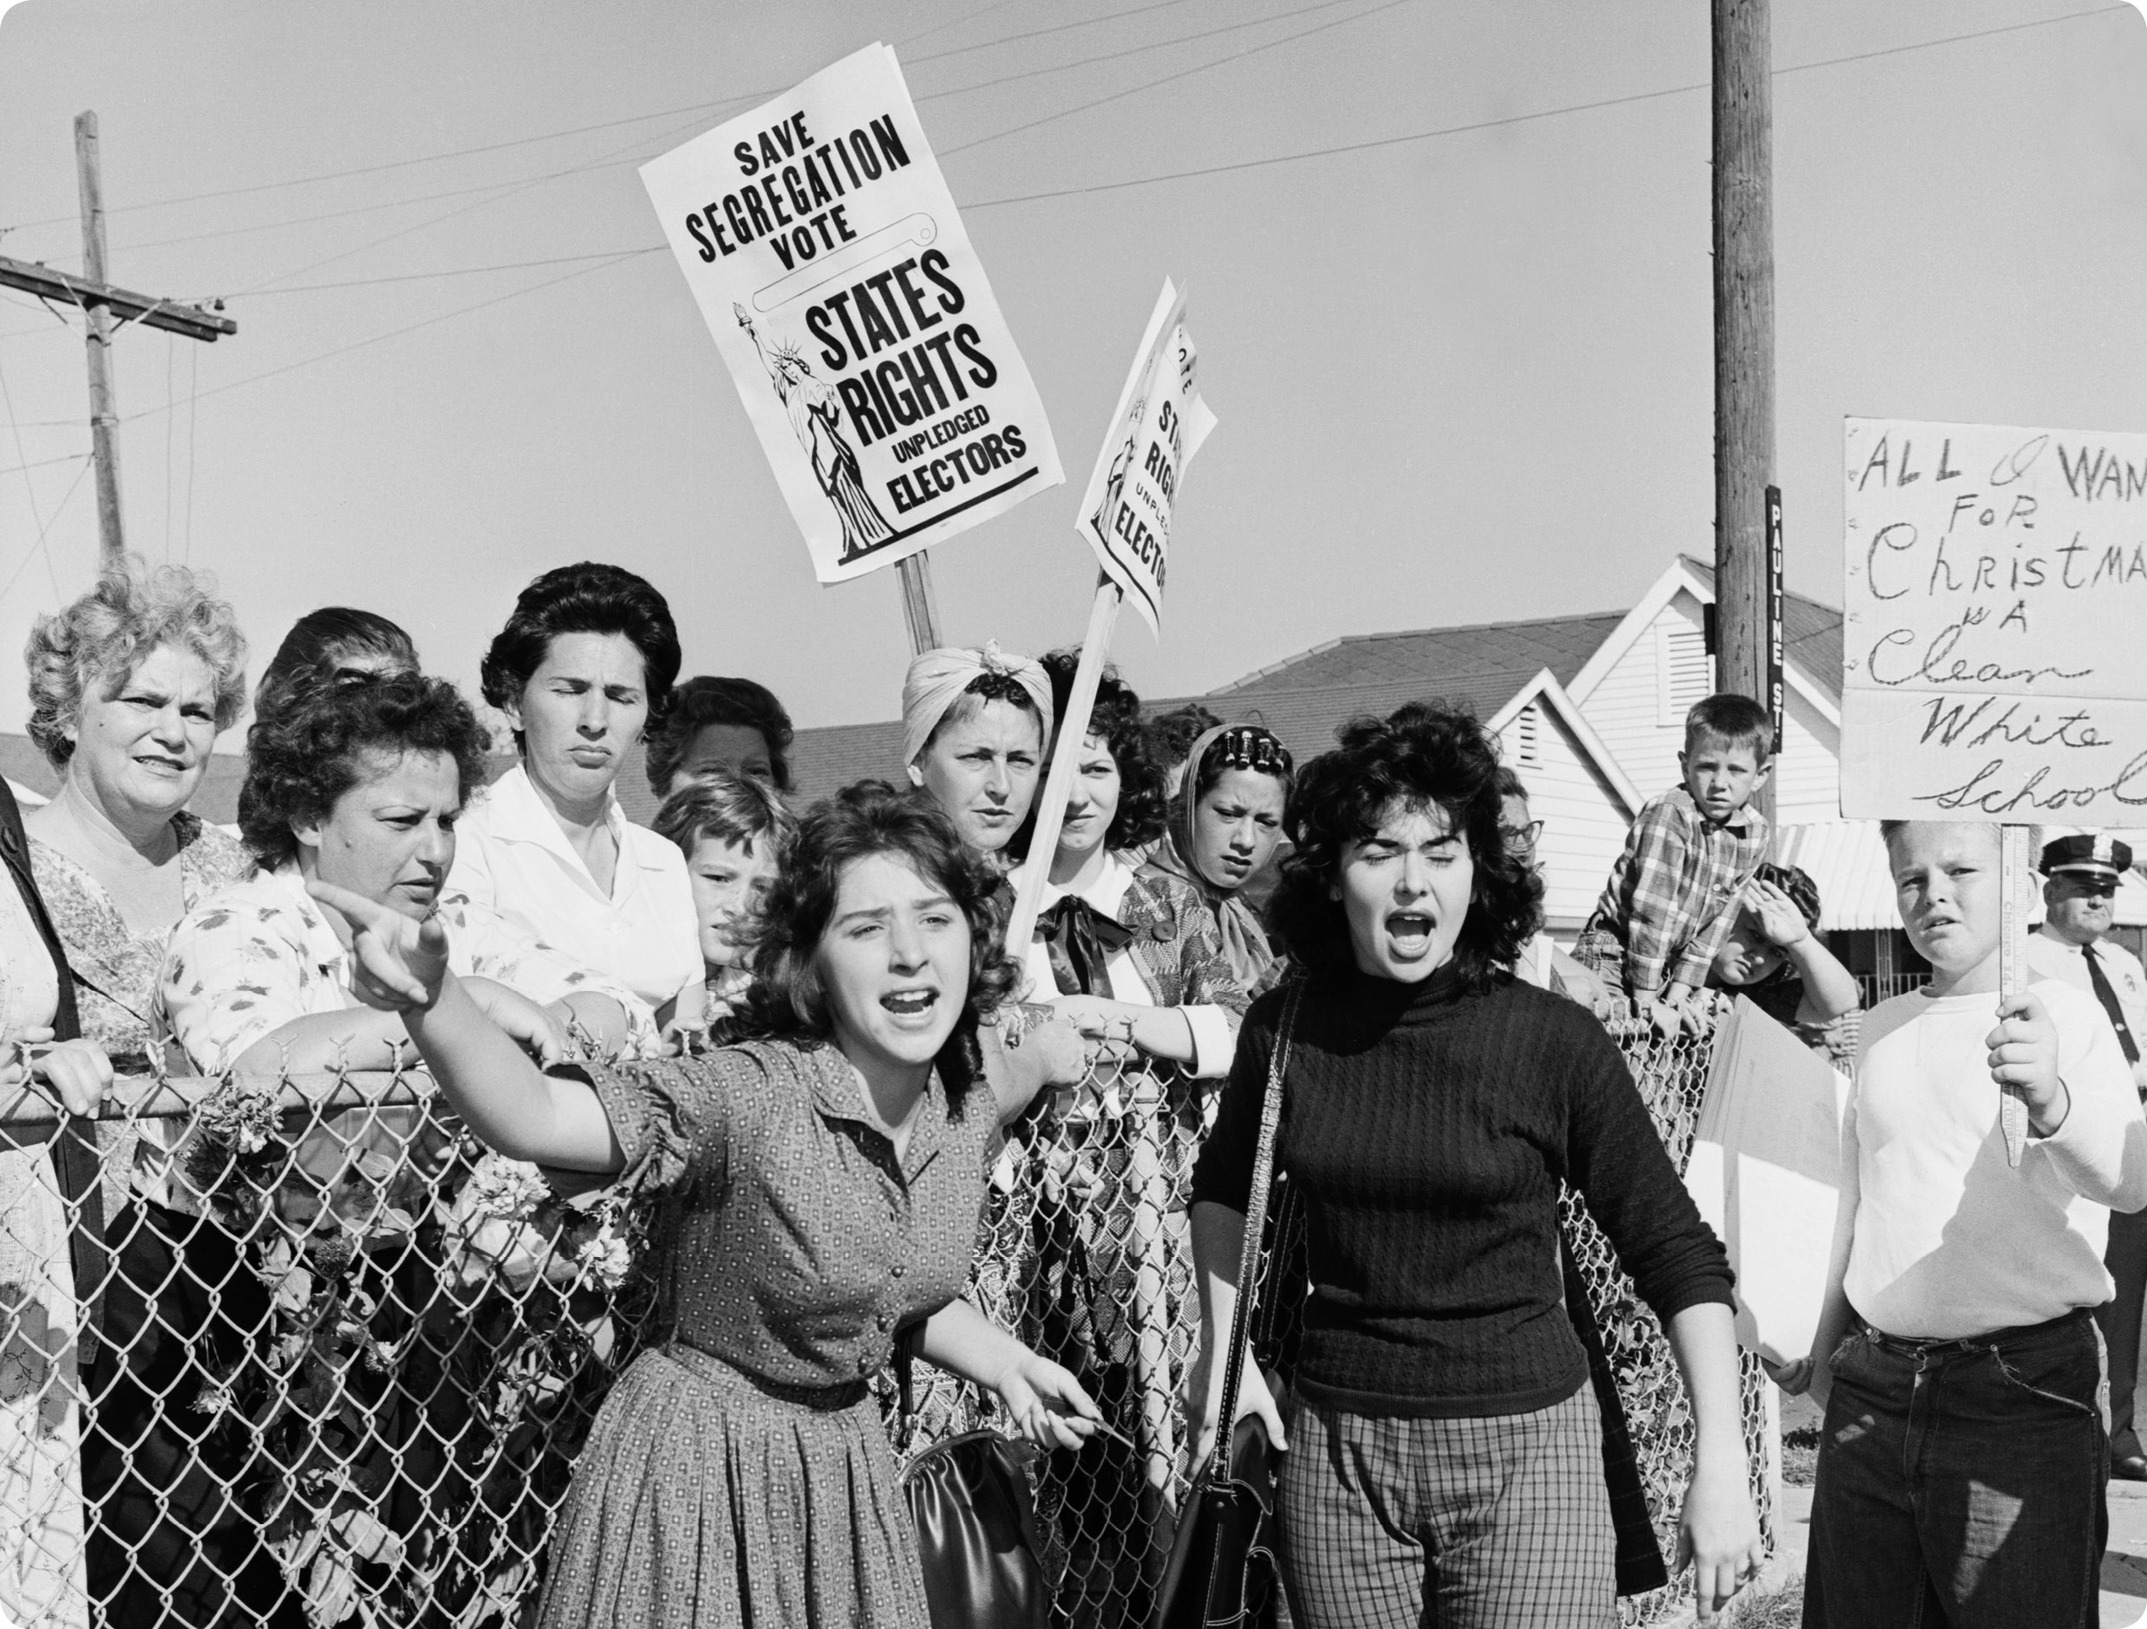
(912,1007)
(1409,935)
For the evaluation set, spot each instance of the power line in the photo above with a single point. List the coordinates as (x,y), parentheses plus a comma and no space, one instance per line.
(396,333)
(41,463)
(1518,118)
(1183,73)
(1368,145)
(38,547)
(575,130)
(701,111)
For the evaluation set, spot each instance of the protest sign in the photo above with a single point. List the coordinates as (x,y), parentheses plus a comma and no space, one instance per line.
(825,252)
(1995,594)
(1159,424)
(1765,1173)
(1995,581)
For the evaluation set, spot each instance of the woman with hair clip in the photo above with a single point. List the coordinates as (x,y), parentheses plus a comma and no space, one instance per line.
(1225,824)
(827,1179)
(1132,958)
(1445,1448)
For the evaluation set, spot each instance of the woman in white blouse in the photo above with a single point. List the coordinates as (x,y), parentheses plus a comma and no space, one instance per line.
(585,662)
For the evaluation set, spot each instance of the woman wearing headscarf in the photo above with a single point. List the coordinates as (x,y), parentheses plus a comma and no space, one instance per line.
(974,727)
(1225,824)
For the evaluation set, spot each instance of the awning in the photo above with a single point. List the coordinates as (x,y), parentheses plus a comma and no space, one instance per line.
(1856,890)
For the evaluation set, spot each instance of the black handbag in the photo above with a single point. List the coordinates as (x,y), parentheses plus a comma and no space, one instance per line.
(1222,1568)
(969,1500)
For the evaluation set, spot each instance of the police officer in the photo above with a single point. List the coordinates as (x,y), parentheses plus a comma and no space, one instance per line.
(2080,877)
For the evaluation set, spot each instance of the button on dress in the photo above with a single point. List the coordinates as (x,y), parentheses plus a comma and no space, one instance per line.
(741,1474)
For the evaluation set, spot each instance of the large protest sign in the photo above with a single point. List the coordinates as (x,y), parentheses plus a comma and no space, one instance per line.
(1159,424)
(1994,603)
(824,250)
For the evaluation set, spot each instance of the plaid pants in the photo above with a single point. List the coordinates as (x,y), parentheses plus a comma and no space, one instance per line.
(1493,1523)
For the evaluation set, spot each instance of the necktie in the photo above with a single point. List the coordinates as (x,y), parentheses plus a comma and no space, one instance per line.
(1079,939)
(2108,997)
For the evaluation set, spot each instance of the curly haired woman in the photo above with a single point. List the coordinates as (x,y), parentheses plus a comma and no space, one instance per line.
(1445,1446)
(828,1180)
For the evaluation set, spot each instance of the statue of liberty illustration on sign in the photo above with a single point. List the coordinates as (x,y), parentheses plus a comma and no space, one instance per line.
(816,420)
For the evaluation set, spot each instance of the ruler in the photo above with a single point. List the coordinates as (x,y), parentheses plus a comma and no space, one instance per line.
(2013,874)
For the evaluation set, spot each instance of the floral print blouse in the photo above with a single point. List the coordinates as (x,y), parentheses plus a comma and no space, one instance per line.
(115,967)
(260,953)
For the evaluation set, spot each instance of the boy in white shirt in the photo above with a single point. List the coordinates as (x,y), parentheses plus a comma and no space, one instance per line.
(1963,1462)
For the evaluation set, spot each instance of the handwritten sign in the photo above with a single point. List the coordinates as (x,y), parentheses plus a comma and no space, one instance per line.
(1994,608)
(1132,494)
(828,260)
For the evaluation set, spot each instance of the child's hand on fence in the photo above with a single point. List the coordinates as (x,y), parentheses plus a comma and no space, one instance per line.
(1668,1017)
(1046,1403)
(2024,1060)
(397,964)
(76,1072)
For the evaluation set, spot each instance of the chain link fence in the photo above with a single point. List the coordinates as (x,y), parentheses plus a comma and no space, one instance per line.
(349,1387)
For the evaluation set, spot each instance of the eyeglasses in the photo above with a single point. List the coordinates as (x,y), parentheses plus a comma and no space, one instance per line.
(1522,836)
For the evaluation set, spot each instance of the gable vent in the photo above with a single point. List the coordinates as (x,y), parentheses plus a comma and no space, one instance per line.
(1524,736)
(1684,672)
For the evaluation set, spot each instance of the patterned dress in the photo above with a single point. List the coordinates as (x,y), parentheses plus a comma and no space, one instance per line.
(740,1475)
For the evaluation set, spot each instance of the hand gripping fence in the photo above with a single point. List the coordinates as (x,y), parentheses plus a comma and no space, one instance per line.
(348,1383)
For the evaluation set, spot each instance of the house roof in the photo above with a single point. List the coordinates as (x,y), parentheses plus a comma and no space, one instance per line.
(1811,631)
(1448,656)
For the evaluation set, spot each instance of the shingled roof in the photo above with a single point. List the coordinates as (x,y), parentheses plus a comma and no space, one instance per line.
(1811,631)
(1445,655)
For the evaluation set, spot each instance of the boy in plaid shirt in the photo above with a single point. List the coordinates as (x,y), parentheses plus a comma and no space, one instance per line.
(1673,893)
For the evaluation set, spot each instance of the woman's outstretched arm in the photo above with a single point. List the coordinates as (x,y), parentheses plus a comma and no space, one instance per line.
(512,1105)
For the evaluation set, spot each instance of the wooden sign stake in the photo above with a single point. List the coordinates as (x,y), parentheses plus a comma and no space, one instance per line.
(2013,874)
(1073,730)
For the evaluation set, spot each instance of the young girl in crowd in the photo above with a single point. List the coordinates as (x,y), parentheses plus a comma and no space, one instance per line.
(1133,959)
(731,828)
(828,1180)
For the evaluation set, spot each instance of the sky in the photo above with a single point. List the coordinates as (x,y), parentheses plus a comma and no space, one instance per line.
(1448,265)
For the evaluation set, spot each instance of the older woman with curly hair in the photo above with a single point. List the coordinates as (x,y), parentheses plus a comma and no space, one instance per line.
(827,1179)
(129,688)
(1445,1451)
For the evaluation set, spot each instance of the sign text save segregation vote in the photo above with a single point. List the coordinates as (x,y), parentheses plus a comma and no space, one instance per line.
(1996,598)
(827,258)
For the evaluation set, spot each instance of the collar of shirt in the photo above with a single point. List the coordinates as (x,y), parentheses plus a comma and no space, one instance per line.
(514,813)
(323,950)
(1737,825)
(839,1094)
(1106,891)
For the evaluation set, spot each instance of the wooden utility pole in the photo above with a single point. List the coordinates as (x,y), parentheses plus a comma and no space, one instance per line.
(100,301)
(1744,344)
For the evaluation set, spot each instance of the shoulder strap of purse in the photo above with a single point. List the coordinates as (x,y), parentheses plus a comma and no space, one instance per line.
(1263,1173)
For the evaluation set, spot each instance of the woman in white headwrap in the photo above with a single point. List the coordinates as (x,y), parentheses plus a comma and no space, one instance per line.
(974,725)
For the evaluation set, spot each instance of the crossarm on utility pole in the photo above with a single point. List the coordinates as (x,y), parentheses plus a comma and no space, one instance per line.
(146,309)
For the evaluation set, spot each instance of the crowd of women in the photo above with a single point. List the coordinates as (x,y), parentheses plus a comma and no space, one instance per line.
(781,1059)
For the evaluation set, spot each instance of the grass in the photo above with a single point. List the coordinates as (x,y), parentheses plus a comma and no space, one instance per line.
(1777,1609)
(1800,1455)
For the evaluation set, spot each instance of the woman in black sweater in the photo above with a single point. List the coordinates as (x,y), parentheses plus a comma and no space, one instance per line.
(1445,1447)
